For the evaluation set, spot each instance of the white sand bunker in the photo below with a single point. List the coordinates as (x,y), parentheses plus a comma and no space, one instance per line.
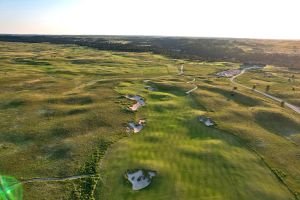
(206,120)
(139,102)
(180,70)
(140,178)
(136,127)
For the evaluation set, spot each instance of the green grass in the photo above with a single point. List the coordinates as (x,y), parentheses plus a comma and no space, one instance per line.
(58,103)
(283,83)
(192,161)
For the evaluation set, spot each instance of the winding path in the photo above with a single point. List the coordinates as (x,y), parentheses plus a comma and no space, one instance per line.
(193,83)
(195,88)
(291,106)
(68,178)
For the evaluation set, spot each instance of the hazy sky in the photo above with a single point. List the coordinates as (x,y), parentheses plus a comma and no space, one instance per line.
(207,18)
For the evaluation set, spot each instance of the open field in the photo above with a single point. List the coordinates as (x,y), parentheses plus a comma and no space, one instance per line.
(283,53)
(63,114)
(283,83)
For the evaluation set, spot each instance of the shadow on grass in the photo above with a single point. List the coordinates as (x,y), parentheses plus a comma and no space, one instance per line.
(173,89)
(164,108)
(17,137)
(29,61)
(58,151)
(13,104)
(237,97)
(60,132)
(76,111)
(277,123)
(81,100)
(160,97)
(85,61)
(195,102)
(151,139)
(197,130)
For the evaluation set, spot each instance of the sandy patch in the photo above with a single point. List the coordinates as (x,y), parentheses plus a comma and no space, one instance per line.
(136,127)
(140,178)
(139,102)
(206,120)
(180,70)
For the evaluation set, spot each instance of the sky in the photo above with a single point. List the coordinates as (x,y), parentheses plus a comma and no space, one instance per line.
(271,19)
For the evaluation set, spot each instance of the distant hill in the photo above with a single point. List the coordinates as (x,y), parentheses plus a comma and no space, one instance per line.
(275,52)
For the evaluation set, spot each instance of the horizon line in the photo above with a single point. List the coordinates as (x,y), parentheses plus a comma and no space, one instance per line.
(151,36)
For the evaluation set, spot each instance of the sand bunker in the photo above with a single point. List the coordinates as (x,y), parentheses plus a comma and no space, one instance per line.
(139,102)
(136,127)
(229,73)
(140,178)
(180,70)
(206,120)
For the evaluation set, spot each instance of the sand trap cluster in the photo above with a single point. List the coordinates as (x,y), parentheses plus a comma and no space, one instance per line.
(206,120)
(140,178)
(136,127)
(139,102)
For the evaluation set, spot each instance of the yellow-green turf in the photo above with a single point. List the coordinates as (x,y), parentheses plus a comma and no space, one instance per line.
(58,103)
